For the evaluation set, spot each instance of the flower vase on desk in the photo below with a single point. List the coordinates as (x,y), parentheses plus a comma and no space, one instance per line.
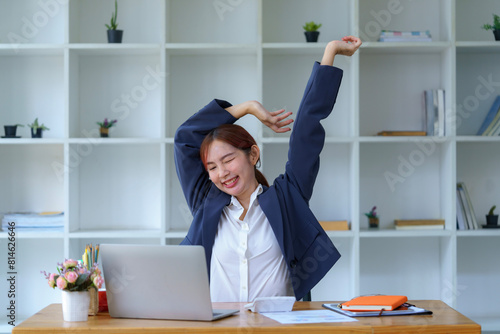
(75,305)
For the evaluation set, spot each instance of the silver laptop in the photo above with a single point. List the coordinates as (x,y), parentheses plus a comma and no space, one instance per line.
(158,282)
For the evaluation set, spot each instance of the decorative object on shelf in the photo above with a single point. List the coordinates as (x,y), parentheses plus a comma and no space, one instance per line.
(114,35)
(10,131)
(419,224)
(491,217)
(491,123)
(75,279)
(401,133)
(405,36)
(311,31)
(105,126)
(37,129)
(495,27)
(434,112)
(372,217)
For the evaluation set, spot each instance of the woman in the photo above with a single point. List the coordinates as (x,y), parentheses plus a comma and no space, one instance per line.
(259,240)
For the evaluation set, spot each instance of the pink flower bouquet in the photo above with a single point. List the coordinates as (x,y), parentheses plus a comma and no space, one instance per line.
(73,275)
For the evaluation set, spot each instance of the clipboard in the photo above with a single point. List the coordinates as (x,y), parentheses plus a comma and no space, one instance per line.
(405,309)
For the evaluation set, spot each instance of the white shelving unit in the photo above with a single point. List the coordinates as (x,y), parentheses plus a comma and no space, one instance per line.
(177,55)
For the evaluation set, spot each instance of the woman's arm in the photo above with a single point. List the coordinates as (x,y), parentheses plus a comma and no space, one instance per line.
(308,136)
(192,175)
(347,46)
(275,120)
(190,170)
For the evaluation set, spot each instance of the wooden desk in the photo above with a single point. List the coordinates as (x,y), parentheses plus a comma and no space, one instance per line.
(444,320)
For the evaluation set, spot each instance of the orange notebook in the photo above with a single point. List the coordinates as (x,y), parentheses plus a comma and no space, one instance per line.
(374,303)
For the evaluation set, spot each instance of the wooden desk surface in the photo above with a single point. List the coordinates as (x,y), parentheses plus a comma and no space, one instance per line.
(443,320)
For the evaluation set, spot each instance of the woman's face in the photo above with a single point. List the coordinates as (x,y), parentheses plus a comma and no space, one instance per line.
(232,170)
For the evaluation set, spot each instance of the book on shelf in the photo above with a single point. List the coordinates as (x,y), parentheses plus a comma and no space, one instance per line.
(334,225)
(461,220)
(470,222)
(34,220)
(401,133)
(434,107)
(491,118)
(419,224)
(405,36)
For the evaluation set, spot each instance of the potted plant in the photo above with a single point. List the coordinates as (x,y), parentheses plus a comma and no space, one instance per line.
(75,280)
(311,31)
(114,35)
(491,218)
(10,130)
(495,27)
(372,217)
(37,129)
(104,130)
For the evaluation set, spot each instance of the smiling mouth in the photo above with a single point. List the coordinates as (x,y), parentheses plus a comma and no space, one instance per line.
(230,183)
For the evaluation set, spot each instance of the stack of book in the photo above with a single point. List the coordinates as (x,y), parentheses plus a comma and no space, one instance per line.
(434,112)
(405,36)
(334,225)
(491,124)
(419,224)
(31,220)
(466,218)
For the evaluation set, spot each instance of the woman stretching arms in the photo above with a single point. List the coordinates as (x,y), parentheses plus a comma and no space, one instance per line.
(260,240)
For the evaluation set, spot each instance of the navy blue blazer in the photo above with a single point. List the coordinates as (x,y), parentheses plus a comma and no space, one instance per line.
(308,251)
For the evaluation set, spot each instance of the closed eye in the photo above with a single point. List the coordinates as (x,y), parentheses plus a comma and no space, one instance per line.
(228,161)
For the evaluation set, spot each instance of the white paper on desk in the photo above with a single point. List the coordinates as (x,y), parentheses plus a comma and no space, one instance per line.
(308,317)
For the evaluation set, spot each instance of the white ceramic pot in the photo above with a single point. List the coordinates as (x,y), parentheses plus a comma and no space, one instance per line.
(75,305)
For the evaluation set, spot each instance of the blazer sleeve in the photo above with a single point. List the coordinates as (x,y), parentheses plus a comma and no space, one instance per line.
(192,175)
(308,135)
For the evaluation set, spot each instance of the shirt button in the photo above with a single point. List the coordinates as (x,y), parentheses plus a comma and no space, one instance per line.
(243,243)
(244,287)
(244,261)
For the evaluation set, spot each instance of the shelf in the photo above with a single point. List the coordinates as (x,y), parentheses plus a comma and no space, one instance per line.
(404,47)
(116,234)
(117,141)
(32,49)
(479,233)
(102,49)
(31,141)
(340,234)
(388,233)
(328,140)
(315,49)
(35,233)
(402,139)
(211,49)
(478,47)
(478,139)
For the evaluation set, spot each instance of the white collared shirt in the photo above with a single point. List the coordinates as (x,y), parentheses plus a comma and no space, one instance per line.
(246,258)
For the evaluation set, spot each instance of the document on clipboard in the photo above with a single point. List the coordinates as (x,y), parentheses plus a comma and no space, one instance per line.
(405,309)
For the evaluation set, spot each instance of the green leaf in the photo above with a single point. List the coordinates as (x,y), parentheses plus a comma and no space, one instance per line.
(81,279)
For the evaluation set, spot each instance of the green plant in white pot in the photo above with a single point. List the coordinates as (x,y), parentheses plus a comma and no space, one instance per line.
(114,35)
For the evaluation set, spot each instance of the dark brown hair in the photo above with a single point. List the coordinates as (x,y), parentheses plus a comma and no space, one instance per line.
(235,136)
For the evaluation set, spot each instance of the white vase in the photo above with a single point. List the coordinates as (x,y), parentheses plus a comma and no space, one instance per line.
(75,305)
